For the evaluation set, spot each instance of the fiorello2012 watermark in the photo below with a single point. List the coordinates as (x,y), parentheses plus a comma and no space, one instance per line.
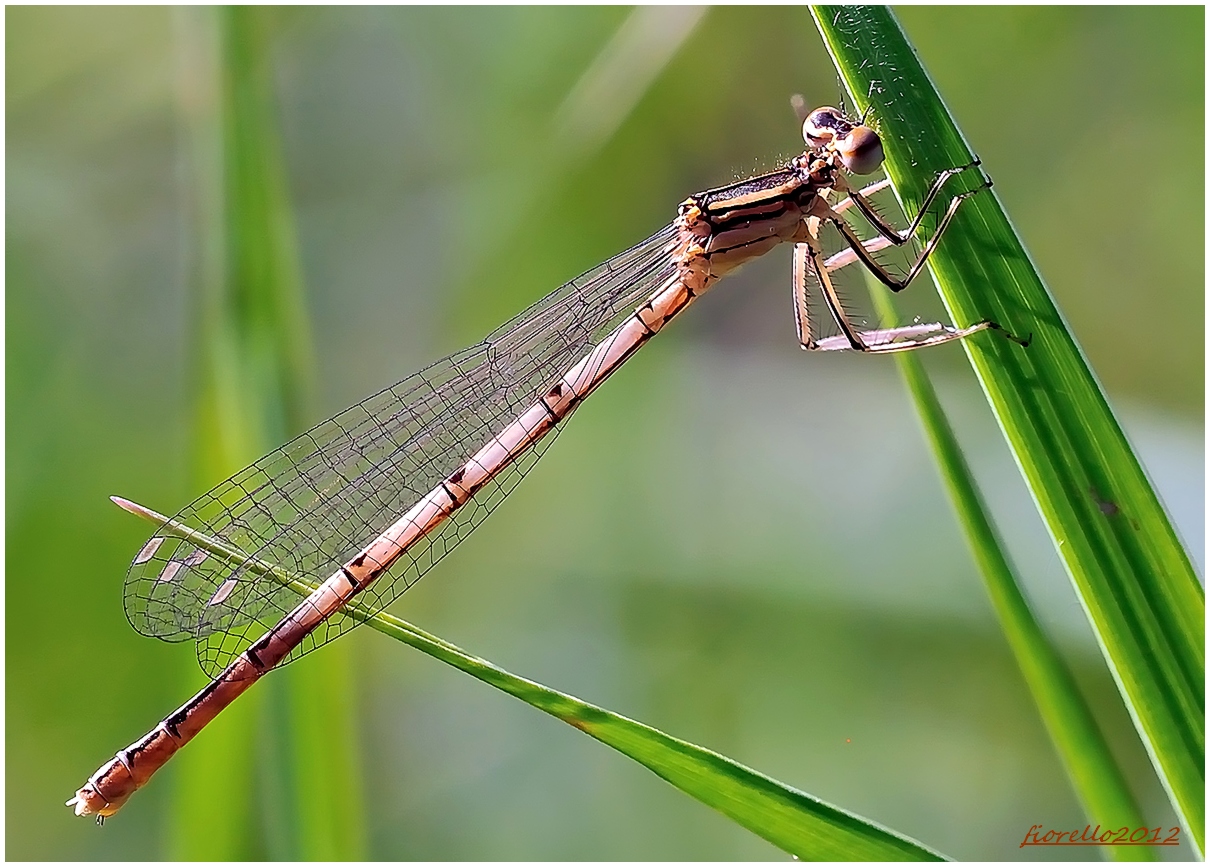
(1093,835)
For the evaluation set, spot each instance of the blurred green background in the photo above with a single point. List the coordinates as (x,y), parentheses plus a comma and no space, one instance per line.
(739,544)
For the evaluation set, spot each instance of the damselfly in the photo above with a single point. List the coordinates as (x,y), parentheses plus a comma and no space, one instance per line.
(373,497)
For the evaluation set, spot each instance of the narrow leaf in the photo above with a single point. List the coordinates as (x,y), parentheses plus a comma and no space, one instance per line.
(1087,759)
(805,826)
(1132,574)
(254,360)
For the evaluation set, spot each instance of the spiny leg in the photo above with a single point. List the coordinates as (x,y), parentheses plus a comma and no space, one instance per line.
(802,312)
(896,284)
(801,309)
(910,337)
(847,202)
(807,261)
(810,261)
(859,198)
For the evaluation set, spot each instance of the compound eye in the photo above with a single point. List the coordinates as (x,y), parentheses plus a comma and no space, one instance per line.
(823,125)
(860,150)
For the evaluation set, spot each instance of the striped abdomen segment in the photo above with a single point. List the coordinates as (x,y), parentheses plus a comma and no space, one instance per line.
(718,231)
(109,788)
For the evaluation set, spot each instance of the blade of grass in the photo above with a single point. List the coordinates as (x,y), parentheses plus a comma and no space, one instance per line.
(253,347)
(1087,759)
(1131,573)
(788,818)
(324,814)
(220,770)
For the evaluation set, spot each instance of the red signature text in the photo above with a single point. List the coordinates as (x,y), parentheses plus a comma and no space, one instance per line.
(1093,835)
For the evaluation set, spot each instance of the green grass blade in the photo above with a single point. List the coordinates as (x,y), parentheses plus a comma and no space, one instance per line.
(254,355)
(1129,568)
(796,822)
(1095,776)
(220,769)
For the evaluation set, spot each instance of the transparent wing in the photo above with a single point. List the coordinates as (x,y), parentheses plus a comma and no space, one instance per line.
(312,504)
